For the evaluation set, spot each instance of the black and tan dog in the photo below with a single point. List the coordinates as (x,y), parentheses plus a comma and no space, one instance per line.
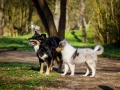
(45,49)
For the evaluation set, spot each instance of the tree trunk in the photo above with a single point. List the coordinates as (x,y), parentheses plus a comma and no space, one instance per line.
(1,18)
(57,14)
(83,30)
(82,21)
(62,25)
(46,16)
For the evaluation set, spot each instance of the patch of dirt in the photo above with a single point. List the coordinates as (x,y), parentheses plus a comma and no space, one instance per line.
(107,75)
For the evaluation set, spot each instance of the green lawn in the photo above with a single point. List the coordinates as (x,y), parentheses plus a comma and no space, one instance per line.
(15,43)
(25,76)
(74,37)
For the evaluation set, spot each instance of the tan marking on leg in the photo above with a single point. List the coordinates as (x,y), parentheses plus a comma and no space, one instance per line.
(49,68)
(59,62)
(41,67)
(58,59)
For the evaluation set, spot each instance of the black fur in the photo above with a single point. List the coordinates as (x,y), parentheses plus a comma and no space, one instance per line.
(48,46)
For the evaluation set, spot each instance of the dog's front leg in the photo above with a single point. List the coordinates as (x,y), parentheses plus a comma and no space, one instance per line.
(41,66)
(72,68)
(66,69)
(49,66)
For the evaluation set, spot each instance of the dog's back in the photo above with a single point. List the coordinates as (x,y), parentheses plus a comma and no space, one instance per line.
(50,44)
(83,55)
(45,50)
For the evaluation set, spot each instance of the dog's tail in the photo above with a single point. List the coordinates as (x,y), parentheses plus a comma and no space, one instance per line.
(99,49)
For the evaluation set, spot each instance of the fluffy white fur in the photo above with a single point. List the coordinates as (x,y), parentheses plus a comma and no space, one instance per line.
(35,43)
(43,57)
(72,56)
(36,47)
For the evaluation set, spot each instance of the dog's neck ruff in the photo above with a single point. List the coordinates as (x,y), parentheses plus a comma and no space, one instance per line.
(68,51)
(36,47)
(69,48)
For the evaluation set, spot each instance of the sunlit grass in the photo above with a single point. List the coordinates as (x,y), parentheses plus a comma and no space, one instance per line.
(26,76)
(74,37)
(15,43)
(21,76)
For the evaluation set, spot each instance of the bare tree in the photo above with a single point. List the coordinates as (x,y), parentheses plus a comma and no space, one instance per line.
(1,17)
(57,14)
(46,16)
(62,22)
(82,20)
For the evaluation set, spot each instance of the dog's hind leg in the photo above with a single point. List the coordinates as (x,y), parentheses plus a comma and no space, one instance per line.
(92,66)
(66,69)
(87,72)
(88,69)
(60,66)
(59,62)
(93,71)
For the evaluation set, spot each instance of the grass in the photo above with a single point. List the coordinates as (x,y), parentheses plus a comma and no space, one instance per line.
(15,43)
(74,37)
(21,76)
(25,76)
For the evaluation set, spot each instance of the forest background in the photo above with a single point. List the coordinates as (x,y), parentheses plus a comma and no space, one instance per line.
(84,23)
(103,17)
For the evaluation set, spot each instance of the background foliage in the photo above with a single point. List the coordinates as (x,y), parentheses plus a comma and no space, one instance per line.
(101,16)
(74,37)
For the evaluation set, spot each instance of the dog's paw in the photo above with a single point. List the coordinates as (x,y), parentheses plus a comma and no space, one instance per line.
(84,75)
(91,76)
(47,73)
(63,74)
(71,74)
(41,72)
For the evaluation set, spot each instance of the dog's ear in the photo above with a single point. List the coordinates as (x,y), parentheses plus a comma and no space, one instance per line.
(63,43)
(36,34)
(43,36)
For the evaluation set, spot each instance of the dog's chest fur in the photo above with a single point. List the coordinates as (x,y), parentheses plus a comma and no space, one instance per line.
(36,47)
(67,52)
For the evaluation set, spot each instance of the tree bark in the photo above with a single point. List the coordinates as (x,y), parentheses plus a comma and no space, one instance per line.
(82,21)
(46,16)
(1,18)
(57,14)
(62,25)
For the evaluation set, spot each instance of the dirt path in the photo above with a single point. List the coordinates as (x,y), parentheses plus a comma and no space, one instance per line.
(107,76)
